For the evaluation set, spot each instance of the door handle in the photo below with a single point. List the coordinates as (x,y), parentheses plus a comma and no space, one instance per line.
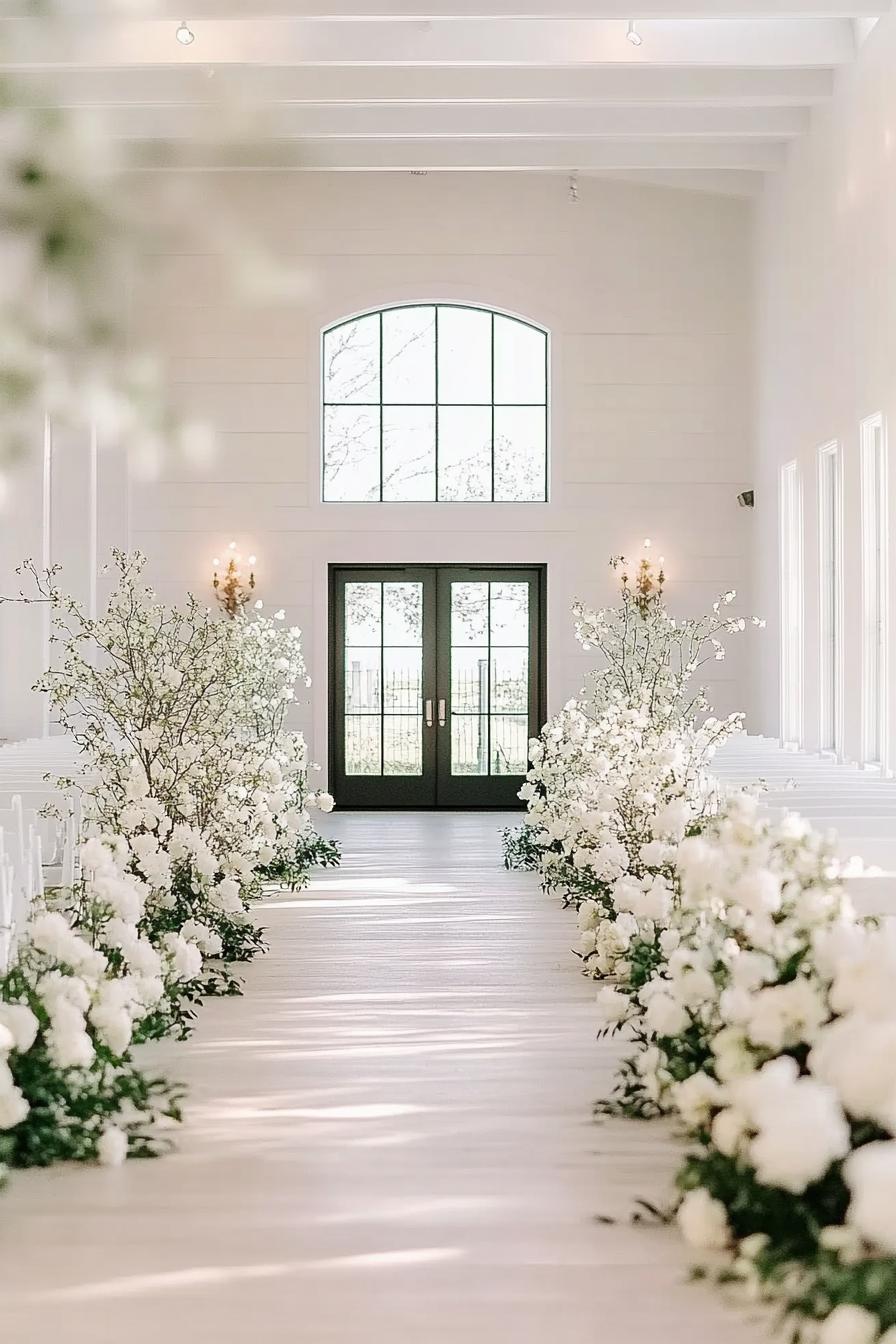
(429,713)
(441,713)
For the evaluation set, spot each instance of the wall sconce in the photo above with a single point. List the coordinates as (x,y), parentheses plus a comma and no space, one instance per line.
(647,583)
(230,588)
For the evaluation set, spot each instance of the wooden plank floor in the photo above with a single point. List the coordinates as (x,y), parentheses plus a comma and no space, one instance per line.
(389,1139)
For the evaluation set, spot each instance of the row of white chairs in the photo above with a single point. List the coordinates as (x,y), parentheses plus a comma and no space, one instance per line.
(859,807)
(40,824)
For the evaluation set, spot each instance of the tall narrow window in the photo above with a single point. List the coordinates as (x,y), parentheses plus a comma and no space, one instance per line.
(435,401)
(791,558)
(829,595)
(874,591)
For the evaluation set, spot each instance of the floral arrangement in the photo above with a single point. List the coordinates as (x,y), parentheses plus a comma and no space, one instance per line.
(759,1008)
(195,794)
(623,771)
(86,986)
(786,1076)
(180,717)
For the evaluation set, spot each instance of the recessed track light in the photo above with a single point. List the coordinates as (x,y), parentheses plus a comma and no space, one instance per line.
(633,35)
(185,34)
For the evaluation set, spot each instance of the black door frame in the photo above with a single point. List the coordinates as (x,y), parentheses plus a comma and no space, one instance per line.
(405,792)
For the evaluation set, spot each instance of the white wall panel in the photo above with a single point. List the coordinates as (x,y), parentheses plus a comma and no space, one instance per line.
(645,292)
(826,317)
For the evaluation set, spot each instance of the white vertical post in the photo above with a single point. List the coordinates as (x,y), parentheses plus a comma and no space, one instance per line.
(875,593)
(791,604)
(830,597)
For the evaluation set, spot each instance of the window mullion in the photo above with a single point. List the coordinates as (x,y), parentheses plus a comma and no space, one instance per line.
(436,395)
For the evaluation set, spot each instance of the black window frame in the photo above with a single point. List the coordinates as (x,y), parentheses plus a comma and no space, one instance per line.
(435,405)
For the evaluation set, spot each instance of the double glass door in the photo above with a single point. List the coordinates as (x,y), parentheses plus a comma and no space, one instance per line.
(436,684)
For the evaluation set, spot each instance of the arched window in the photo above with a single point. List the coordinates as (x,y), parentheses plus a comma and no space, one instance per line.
(435,401)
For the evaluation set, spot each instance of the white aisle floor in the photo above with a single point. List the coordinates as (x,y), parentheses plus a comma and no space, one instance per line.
(389,1139)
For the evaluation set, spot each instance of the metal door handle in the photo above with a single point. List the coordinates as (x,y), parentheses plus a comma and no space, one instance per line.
(429,713)
(441,713)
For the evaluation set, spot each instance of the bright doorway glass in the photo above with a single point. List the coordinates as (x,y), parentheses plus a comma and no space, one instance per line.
(437,677)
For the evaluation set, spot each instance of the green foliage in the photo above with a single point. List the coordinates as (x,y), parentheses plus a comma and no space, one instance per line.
(521,853)
(293,870)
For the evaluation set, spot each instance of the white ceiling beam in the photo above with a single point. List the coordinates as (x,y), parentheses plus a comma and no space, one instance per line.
(521,42)
(491,155)
(173,10)
(604,85)
(718,181)
(465,120)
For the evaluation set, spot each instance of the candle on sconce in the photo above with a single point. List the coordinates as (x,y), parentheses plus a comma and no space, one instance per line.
(230,589)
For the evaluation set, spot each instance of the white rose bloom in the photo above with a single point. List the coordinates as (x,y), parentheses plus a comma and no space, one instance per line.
(54,987)
(727,1129)
(589,915)
(208,942)
(21,1023)
(870,1174)
(112,1147)
(669,940)
(665,1016)
(799,1123)
(696,1097)
(51,933)
(849,1324)
(758,892)
(703,1221)
(857,1056)
(613,1005)
(785,1015)
(113,1025)
(587,942)
(733,1056)
(185,958)
(13,1107)
(69,1049)
(655,853)
(695,987)
(735,1005)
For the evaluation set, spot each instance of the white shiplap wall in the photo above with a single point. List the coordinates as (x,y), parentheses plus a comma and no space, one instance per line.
(645,292)
(826,318)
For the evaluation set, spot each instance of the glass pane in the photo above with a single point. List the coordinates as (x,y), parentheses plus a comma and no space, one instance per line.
(510,613)
(465,355)
(469,613)
(469,681)
(510,679)
(409,355)
(352,361)
(403,680)
(362,745)
(469,744)
(351,453)
(465,458)
(520,452)
(402,613)
(520,352)
(409,452)
(402,745)
(362,613)
(510,742)
(362,680)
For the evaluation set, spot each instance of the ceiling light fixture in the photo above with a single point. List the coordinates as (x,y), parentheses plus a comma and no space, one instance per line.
(633,35)
(573,188)
(185,34)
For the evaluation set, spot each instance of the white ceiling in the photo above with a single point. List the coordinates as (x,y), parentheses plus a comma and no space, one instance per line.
(712,97)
